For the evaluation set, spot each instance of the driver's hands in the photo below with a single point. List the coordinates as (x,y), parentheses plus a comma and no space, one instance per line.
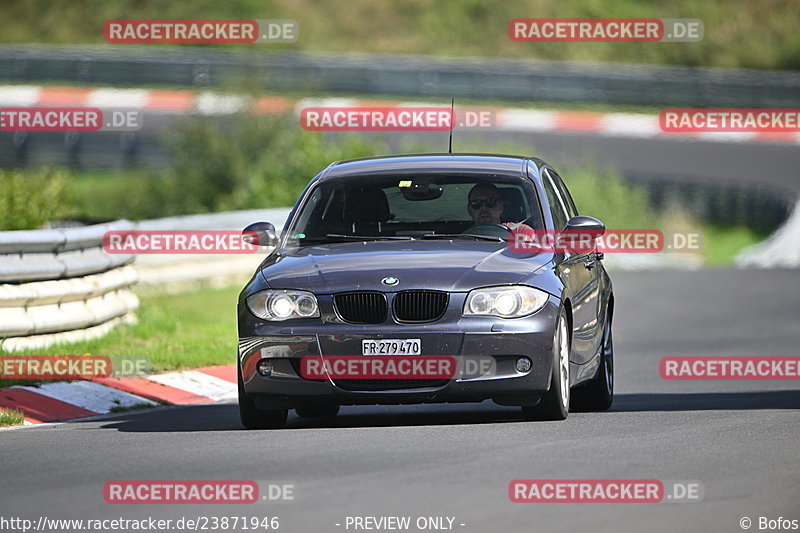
(518,226)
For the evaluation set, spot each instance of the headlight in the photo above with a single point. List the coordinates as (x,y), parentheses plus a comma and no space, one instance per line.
(506,302)
(283,305)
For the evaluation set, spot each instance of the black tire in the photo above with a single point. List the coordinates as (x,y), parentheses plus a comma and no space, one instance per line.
(254,418)
(318,410)
(598,394)
(554,404)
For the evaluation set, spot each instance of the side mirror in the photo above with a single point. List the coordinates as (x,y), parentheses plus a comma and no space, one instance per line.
(260,234)
(589,225)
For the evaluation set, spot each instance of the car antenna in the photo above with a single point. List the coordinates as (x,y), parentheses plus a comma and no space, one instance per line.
(452,124)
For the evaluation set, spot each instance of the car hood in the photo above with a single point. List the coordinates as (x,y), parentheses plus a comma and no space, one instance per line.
(453,266)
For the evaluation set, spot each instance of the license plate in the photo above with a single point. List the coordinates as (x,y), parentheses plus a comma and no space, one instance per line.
(390,346)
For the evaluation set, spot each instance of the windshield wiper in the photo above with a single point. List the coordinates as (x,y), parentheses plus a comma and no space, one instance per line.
(470,236)
(359,238)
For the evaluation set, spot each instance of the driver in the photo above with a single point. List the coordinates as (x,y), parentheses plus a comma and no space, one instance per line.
(484,204)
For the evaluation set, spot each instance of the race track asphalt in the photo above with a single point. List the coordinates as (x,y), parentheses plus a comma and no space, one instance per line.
(741,440)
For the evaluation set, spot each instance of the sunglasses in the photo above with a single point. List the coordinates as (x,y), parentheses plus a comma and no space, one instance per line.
(488,202)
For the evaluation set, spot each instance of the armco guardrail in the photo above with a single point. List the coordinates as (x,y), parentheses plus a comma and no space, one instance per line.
(402,75)
(60,286)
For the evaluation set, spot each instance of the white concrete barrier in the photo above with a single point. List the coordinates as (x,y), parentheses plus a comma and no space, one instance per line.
(60,281)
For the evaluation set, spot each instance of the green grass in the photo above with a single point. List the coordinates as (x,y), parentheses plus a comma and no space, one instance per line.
(605,195)
(188,330)
(620,205)
(738,33)
(11,417)
(722,243)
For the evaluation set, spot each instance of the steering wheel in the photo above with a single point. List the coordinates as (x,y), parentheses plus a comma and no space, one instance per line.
(490,229)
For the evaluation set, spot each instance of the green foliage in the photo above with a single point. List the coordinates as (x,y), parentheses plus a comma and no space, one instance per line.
(32,198)
(102,196)
(253,161)
(721,243)
(11,417)
(250,162)
(738,33)
(597,192)
(243,162)
(174,331)
(606,196)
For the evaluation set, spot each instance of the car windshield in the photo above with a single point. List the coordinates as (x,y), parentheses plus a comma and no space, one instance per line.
(415,206)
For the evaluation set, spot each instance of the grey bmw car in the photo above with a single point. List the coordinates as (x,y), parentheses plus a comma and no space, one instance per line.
(393,282)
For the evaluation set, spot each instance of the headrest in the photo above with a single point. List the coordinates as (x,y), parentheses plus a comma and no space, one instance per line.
(513,205)
(366,205)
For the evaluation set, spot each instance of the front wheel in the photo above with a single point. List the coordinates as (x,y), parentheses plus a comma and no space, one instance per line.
(554,404)
(254,418)
(598,394)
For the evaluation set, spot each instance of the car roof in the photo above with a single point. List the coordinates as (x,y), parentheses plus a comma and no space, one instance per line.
(431,163)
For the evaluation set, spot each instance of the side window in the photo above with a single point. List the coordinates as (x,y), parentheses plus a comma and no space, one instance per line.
(562,189)
(556,204)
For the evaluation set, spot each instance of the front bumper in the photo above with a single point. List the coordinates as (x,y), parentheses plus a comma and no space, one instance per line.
(502,341)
